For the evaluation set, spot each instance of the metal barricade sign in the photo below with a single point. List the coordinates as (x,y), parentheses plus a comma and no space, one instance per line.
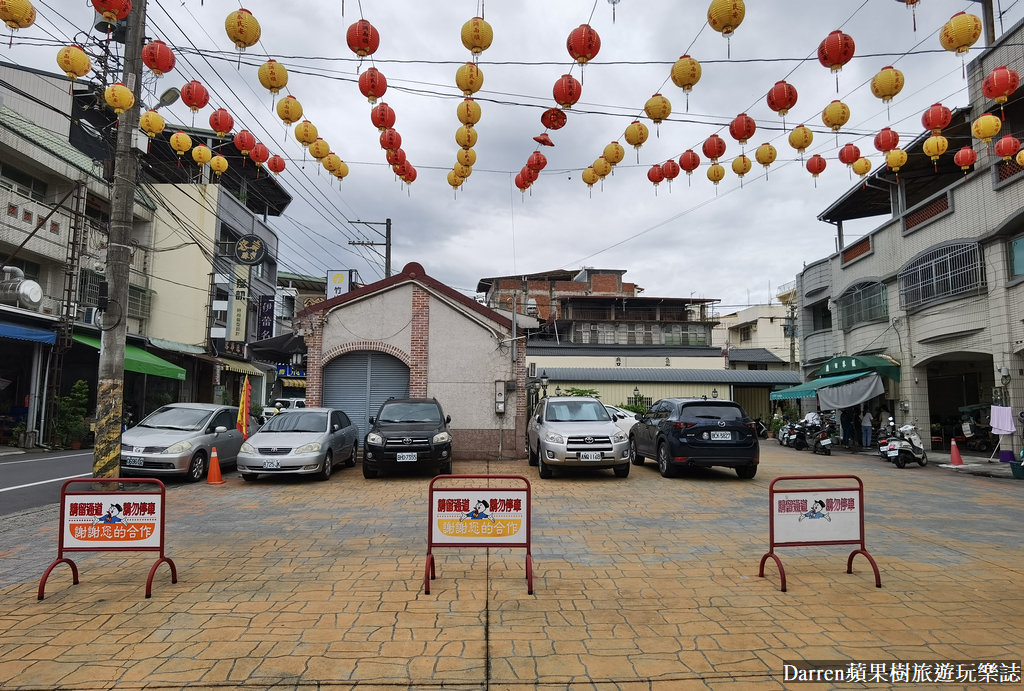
(111,521)
(464,514)
(800,516)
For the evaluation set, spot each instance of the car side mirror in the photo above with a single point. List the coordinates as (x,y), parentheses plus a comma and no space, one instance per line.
(219,429)
(447,419)
(335,427)
(539,420)
(372,420)
(638,416)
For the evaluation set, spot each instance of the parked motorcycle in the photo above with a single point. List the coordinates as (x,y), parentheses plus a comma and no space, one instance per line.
(886,431)
(783,434)
(799,435)
(906,446)
(822,439)
(977,437)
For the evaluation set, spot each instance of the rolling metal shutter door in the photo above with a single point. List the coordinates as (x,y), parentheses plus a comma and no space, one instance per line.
(360,382)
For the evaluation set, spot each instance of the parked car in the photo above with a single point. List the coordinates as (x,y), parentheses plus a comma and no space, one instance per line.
(279,404)
(302,441)
(696,432)
(408,432)
(623,419)
(575,431)
(179,439)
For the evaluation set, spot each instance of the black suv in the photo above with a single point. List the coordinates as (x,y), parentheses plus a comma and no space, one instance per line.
(408,432)
(695,432)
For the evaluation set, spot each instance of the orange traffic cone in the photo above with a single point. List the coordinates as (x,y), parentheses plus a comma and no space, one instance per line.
(955,455)
(213,475)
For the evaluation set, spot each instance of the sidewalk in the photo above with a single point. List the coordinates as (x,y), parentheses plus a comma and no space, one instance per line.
(971,464)
(640,583)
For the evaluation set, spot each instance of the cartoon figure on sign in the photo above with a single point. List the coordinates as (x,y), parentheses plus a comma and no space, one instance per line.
(479,511)
(817,511)
(113,514)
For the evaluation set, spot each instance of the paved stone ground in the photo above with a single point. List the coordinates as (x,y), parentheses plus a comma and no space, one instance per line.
(641,583)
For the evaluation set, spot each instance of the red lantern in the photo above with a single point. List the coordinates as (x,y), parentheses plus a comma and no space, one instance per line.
(742,128)
(553,118)
(194,95)
(836,50)
(362,38)
(395,157)
(782,97)
(936,118)
(244,141)
(221,122)
(849,154)
(537,161)
(276,164)
(529,174)
(1007,147)
(523,185)
(382,116)
(714,147)
(567,91)
(887,140)
(655,174)
(410,175)
(372,84)
(259,153)
(670,169)
(689,161)
(390,139)
(816,165)
(965,158)
(158,57)
(583,43)
(113,10)
(1000,84)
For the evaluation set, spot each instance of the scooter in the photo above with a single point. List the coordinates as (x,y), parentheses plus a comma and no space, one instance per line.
(799,435)
(823,439)
(906,446)
(886,432)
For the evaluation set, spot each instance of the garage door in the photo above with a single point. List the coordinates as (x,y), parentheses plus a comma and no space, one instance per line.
(360,382)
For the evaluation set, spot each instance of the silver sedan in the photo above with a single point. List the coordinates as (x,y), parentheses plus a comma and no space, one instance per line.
(300,441)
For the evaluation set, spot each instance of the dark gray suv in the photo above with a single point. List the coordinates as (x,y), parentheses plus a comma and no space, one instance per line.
(408,432)
(696,432)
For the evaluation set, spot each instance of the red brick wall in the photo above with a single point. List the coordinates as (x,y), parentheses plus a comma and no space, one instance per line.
(420,342)
(605,283)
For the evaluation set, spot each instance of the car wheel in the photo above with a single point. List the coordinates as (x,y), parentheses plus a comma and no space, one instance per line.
(197,467)
(350,462)
(325,471)
(924,460)
(249,477)
(665,466)
(543,469)
(531,455)
(634,456)
(747,472)
(368,472)
(622,470)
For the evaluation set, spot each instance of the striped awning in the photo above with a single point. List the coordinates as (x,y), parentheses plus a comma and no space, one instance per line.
(241,367)
(293,382)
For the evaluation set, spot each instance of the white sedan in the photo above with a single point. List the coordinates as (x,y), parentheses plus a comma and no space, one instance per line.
(623,419)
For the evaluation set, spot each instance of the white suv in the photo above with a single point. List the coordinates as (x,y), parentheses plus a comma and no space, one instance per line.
(283,404)
(575,431)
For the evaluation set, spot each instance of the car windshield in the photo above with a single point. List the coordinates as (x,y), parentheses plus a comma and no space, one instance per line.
(713,412)
(410,412)
(296,422)
(177,418)
(576,411)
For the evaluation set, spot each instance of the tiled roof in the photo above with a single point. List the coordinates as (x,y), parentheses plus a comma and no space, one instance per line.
(672,375)
(754,355)
(613,350)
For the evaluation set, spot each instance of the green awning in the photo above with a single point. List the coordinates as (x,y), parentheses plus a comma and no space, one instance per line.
(809,389)
(138,360)
(841,364)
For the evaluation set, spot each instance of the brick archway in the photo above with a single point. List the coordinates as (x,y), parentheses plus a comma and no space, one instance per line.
(376,346)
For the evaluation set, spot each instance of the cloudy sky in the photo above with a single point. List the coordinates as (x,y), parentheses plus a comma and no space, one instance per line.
(734,242)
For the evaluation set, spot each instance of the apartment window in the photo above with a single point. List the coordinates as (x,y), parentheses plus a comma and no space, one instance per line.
(22,182)
(820,316)
(746,333)
(1017,256)
(948,272)
(861,304)
(139,299)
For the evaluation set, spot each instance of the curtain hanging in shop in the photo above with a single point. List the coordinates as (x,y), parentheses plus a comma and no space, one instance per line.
(850,393)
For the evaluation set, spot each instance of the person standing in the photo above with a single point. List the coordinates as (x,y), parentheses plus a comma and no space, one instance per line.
(866,423)
(846,422)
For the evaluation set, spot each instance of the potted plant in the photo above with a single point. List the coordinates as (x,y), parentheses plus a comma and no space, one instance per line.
(71,427)
(17,434)
(775,427)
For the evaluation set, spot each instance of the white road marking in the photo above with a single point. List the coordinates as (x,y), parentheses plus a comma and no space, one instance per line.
(43,482)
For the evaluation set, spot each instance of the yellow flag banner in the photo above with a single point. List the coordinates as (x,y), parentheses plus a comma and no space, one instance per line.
(242,423)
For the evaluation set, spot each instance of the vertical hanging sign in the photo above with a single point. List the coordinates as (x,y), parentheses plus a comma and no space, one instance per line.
(239,311)
(265,323)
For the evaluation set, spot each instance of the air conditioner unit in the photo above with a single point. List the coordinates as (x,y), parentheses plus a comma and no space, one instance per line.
(92,316)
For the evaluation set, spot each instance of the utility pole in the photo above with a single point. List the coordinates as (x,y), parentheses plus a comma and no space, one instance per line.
(792,336)
(110,394)
(387,242)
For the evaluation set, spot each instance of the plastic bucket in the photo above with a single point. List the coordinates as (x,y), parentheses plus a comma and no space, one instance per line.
(1006,456)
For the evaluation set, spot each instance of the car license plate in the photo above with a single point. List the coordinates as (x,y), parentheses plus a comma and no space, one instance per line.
(826,442)
(721,436)
(405,457)
(590,455)
(893,453)
(132,460)
(271,465)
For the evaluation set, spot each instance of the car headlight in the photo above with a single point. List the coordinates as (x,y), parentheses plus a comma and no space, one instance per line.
(247,447)
(180,447)
(311,447)
(619,436)
(553,438)
(442,438)
(374,438)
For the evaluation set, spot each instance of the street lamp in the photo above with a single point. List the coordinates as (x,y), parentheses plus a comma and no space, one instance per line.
(558,390)
(714,393)
(544,382)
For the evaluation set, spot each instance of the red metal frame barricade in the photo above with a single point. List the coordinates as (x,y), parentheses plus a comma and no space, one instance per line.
(467,515)
(137,524)
(834,517)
